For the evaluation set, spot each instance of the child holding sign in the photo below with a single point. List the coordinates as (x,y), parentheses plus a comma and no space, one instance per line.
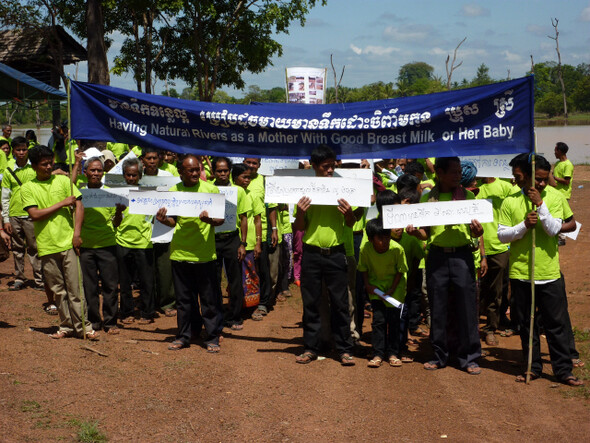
(383,265)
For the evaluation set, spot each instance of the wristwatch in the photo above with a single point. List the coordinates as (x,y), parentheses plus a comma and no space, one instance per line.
(243,243)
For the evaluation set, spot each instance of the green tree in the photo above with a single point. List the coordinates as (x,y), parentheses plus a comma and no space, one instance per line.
(482,76)
(214,41)
(581,94)
(551,104)
(411,72)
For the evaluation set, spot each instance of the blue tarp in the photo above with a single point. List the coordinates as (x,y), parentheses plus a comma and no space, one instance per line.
(20,87)
(487,120)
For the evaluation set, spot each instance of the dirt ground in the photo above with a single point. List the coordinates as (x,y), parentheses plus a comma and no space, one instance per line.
(253,390)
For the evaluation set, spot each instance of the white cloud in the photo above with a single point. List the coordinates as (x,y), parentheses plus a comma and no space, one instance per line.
(512,57)
(408,32)
(537,30)
(438,51)
(474,10)
(373,50)
(585,15)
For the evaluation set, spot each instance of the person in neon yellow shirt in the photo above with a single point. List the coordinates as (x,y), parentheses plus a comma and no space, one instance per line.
(193,264)
(98,257)
(49,201)
(324,259)
(563,172)
(539,208)
(450,270)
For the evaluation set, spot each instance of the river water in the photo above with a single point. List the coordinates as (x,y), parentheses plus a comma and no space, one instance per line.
(576,137)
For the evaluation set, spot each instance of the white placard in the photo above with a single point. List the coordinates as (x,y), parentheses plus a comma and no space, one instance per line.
(161,233)
(92,152)
(118,168)
(372,213)
(437,213)
(365,174)
(269,165)
(105,198)
(294,173)
(162,182)
(492,165)
(321,190)
(231,208)
(184,204)
(574,234)
(114,180)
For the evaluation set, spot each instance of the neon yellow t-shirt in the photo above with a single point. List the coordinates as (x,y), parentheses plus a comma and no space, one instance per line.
(324,226)
(118,149)
(54,234)
(256,207)
(98,230)
(135,231)
(24,174)
(562,170)
(382,269)
(514,211)
(496,191)
(194,240)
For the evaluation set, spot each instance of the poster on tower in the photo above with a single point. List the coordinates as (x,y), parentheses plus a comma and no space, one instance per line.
(306,85)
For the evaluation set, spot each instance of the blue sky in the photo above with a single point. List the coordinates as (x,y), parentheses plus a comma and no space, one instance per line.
(374,38)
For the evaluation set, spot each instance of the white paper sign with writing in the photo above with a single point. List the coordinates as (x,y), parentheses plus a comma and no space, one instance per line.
(492,165)
(269,165)
(105,198)
(321,190)
(162,182)
(231,208)
(118,168)
(437,213)
(184,204)
(294,173)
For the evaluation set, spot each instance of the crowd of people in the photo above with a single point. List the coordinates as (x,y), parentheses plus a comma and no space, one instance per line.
(348,266)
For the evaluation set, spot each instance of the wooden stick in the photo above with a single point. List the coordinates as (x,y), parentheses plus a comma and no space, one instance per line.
(532,273)
(88,348)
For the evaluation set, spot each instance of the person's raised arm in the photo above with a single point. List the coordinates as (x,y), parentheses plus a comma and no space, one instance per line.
(43,214)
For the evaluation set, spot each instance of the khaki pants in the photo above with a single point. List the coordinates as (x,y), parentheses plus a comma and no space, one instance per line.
(63,277)
(23,240)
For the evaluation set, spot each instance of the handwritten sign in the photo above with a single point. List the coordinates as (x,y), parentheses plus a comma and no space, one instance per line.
(184,204)
(105,198)
(162,182)
(437,213)
(114,180)
(269,165)
(492,165)
(231,208)
(365,174)
(321,190)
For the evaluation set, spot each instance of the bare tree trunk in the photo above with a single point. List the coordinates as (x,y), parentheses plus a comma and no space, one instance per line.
(148,19)
(555,22)
(98,65)
(336,83)
(453,66)
(137,70)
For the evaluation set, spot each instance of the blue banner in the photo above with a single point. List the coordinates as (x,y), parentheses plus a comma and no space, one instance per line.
(487,120)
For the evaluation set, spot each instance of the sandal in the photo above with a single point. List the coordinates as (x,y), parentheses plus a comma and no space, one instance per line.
(473,369)
(213,348)
(170,312)
(432,365)
(407,359)
(236,327)
(522,378)
(577,363)
(281,297)
(259,314)
(394,361)
(51,309)
(306,357)
(177,345)
(507,333)
(128,320)
(375,362)
(60,334)
(491,339)
(113,331)
(346,360)
(92,335)
(572,381)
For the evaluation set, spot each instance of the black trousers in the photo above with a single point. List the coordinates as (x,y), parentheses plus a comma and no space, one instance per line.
(332,271)
(385,334)
(450,279)
(141,261)
(551,307)
(164,286)
(101,263)
(194,282)
(226,246)
(263,270)
(492,289)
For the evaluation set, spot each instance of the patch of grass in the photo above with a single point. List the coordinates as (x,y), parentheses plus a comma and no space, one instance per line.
(30,406)
(583,346)
(581,335)
(16,382)
(88,432)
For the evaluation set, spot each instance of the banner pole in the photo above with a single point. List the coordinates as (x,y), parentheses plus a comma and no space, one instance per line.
(532,273)
(70,167)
